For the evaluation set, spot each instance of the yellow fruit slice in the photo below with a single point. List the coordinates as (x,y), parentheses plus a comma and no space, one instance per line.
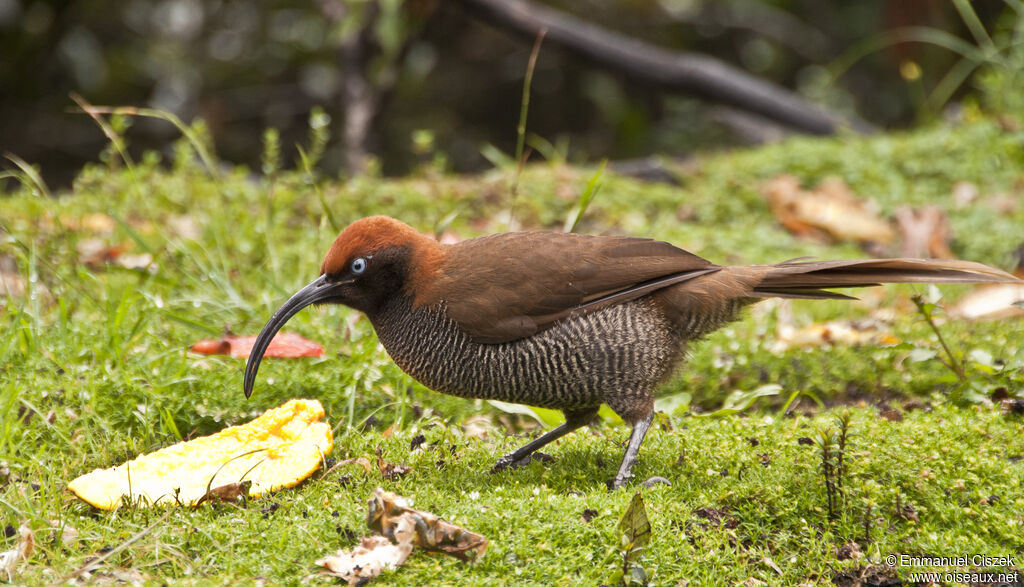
(278,449)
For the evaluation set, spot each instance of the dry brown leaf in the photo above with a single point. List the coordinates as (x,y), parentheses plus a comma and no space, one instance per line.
(68,533)
(12,284)
(361,461)
(12,560)
(924,233)
(140,261)
(964,192)
(398,529)
(477,426)
(391,471)
(842,332)
(184,226)
(16,286)
(849,551)
(96,223)
(990,302)
(890,414)
(366,561)
(830,212)
(389,515)
(96,252)
(228,493)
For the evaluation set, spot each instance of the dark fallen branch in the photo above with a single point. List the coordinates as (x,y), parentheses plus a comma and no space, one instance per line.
(691,73)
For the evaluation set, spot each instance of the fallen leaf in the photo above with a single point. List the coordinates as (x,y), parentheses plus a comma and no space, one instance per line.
(907,512)
(717,516)
(228,493)
(361,461)
(390,515)
(835,332)
(12,284)
(397,530)
(366,561)
(830,212)
(924,233)
(964,192)
(391,471)
(95,222)
(768,561)
(278,449)
(477,426)
(184,227)
(891,414)
(283,345)
(990,302)
(12,560)
(96,253)
(68,533)
(634,527)
(140,261)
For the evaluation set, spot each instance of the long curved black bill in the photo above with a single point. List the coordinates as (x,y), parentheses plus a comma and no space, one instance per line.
(317,291)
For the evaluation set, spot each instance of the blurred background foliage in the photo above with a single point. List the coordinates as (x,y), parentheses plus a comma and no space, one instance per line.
(405,82)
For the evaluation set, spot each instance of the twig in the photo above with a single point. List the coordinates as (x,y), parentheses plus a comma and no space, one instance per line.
(692,73)
(953,364)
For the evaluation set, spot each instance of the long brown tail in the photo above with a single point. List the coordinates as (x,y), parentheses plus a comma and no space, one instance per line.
(808,279)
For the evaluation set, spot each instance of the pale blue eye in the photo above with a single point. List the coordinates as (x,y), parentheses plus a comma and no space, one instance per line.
(359,265)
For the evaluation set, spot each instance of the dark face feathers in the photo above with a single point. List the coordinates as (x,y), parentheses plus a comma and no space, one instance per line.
(365,283)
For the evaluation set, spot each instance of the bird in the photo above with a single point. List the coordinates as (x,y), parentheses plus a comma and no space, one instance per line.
(561,320)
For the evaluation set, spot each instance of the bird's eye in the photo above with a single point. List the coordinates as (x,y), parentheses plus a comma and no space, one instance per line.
(358,265)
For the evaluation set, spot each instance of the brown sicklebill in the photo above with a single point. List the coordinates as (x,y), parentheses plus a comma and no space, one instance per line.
(562,321)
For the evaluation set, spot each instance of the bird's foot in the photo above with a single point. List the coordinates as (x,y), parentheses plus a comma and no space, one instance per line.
(502,464)
(510,462)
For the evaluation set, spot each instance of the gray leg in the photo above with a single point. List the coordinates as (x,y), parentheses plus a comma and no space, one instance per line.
(573,419)
(635,439)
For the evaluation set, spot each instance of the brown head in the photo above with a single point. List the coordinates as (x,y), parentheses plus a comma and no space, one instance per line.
(371,261)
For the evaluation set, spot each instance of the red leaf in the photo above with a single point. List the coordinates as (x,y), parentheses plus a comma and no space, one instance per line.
(285,345)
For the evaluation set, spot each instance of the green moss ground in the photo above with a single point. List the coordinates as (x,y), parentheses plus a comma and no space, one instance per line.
(105,350)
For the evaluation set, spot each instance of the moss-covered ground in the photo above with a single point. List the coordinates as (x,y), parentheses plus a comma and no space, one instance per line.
(95,368)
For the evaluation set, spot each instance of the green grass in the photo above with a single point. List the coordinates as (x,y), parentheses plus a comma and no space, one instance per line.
(94,368)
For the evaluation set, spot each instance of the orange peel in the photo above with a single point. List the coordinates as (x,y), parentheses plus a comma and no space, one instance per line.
(280,448)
